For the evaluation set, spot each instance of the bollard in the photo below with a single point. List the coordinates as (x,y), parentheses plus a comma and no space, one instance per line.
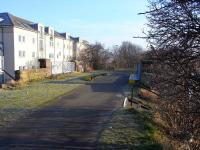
(125,105)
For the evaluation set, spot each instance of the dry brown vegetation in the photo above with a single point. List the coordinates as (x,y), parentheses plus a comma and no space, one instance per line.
(174,36)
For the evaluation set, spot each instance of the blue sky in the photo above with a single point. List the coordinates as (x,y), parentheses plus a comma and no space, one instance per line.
(106,21)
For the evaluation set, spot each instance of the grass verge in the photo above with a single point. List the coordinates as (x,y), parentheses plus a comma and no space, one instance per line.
(19,101)
(130,129)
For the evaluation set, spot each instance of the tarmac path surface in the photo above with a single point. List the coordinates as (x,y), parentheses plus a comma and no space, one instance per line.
(73,121)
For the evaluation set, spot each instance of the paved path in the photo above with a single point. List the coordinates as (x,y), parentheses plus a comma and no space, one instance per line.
(71,122)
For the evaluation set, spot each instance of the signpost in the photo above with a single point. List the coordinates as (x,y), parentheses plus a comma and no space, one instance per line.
(135,78)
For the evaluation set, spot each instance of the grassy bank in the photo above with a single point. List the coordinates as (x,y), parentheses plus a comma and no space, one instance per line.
(19,101)
(130,129)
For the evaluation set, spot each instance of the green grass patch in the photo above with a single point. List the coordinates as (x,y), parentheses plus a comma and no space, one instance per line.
(70,75)
(33,95)
(130,129)
(17,102)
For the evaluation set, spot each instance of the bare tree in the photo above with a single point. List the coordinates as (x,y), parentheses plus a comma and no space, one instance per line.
(94,56)
(175,38)
(126,55)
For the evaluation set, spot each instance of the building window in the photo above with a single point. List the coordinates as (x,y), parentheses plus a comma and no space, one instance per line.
(20,38)
(20,67)
(22,53)
(41,45)
(23,38)
(33,54)
(51,55)
(51,43)
(33,40)
(41,32)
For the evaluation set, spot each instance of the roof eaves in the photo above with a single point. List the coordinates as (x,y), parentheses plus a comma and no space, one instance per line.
(11,18)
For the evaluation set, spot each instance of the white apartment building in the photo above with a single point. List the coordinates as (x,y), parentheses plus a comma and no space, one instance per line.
(81,45)
(23,43)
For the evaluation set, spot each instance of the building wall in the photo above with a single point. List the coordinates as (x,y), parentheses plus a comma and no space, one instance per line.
(74,45)
(41,41)
(57,64)
(8,41)
(28,42)
(49,48)
(1,57)
(25,49)
(68,50)
(22,49)
(58,49)
(1,31)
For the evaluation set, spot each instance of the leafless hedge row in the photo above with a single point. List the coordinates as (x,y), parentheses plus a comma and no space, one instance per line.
(174,36)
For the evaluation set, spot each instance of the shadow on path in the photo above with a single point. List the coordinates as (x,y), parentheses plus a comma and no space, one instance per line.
(110,83)
(71,122)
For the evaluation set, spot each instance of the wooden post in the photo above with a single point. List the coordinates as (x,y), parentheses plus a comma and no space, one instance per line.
(132,94)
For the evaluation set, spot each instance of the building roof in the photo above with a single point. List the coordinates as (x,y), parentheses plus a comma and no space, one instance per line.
(11,20)
(57,34)
(46,30)
(7,19)
(75,39)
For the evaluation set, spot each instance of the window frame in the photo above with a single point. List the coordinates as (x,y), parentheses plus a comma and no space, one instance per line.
(23,39)
(19,38)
